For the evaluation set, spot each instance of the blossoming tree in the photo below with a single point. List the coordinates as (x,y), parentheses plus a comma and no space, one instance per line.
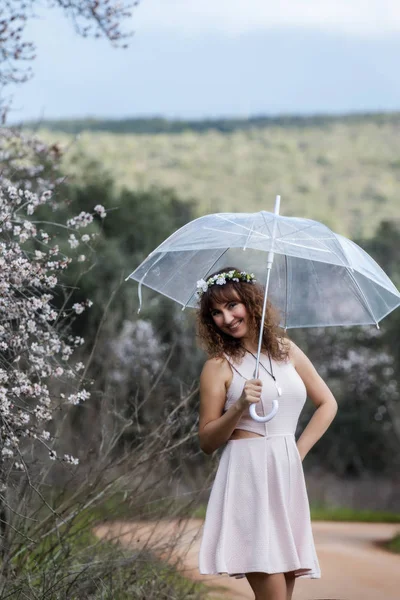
(36,345)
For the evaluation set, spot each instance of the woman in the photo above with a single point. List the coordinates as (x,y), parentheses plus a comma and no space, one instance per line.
(258,520)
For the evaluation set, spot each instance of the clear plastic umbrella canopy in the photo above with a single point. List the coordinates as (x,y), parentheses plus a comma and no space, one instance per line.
(318,278)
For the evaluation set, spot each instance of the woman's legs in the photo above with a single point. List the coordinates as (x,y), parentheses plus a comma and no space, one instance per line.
(278,586)
(268,587)
(290,580)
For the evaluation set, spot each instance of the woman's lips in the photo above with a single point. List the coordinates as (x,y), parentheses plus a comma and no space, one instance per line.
(235,325)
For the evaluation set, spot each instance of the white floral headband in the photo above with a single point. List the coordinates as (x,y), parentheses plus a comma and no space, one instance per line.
(222,278)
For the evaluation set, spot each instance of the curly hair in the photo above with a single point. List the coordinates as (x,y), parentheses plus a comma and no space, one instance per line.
(215,342)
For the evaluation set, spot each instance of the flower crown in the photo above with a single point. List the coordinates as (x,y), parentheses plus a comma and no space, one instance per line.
(222,278)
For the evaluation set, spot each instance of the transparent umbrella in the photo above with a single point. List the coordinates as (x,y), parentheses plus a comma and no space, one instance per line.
(313,276)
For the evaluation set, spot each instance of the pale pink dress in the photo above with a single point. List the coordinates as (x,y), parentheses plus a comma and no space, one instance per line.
(258,516)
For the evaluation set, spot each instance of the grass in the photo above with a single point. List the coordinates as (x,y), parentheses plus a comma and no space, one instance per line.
(75,553)
(394,544)
(351,515)
(336,514)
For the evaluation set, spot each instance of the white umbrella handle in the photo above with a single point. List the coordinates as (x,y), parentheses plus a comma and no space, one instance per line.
(275,403)
(268,417)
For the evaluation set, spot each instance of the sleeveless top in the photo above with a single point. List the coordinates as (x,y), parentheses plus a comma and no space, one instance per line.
(291,401)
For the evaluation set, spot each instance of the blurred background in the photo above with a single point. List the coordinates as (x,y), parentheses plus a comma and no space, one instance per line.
(218,107)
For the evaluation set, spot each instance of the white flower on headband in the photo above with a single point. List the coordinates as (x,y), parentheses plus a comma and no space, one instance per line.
(222,278)
(202,285)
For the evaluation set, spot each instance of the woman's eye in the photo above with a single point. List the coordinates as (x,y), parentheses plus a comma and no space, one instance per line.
(232,304)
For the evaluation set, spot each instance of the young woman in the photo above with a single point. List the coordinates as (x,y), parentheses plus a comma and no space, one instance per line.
(258,519)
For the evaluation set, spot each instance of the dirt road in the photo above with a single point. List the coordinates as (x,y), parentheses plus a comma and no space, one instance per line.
(353,565)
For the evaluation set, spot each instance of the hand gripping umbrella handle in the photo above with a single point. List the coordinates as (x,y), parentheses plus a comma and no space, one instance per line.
(268,417)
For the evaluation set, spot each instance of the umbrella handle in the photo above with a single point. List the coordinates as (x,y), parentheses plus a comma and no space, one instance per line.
(268,417)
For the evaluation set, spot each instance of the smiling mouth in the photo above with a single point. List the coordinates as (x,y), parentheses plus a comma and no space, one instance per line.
(235,326)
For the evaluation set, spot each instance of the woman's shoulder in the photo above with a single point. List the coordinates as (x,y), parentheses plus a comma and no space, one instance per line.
(216,366)
(215,362)
(294,353)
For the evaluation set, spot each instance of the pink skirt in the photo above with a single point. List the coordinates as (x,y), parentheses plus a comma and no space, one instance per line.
(258,515)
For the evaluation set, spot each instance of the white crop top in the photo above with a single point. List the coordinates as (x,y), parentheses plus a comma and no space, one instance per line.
(291,401)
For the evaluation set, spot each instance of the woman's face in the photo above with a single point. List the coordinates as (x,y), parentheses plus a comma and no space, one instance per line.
(231,317)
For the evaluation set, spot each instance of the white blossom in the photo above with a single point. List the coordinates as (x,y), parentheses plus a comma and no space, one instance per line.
(71,460)
(34,348)
(78,308)
(73,242)
(100,210)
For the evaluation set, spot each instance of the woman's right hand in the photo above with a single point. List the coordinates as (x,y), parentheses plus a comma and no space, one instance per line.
(251,393)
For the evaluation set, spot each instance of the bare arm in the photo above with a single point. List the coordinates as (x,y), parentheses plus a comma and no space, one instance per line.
(215,426)
(319,394)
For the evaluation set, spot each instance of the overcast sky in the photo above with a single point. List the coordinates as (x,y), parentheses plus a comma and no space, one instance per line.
(199,58)
(362,17)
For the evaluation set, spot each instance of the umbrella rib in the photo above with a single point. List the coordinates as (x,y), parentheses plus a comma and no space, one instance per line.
(266,225)
(307,247)
(233,222)
(208,270)
(236,232)
(320,250)
(286,299)
(320,239)
(162,254)
(363,296)
(250,232)
(297,230)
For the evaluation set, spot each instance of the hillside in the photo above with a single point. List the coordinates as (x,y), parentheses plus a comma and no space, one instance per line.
(344,171)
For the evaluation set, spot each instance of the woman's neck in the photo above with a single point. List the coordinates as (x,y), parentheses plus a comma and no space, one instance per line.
(251,347)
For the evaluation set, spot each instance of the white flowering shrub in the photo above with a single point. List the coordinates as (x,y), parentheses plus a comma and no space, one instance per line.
(136,349)
(36,345)
(359,368)
(28,160)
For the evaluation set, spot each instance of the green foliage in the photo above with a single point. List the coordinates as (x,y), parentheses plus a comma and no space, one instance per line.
(343,172)
(138,221)
(394,544)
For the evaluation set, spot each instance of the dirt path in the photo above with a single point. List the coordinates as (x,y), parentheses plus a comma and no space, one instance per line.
(353,566)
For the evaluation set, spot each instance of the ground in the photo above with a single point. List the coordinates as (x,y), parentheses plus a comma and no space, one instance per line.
(354,565)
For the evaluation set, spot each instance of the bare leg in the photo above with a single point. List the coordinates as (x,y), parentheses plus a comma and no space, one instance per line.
(290,580)
(268,587)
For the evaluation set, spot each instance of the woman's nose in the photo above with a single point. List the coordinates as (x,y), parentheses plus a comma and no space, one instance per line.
(228,318)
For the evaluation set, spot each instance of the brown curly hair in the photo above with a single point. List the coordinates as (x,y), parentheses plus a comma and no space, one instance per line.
(215,342)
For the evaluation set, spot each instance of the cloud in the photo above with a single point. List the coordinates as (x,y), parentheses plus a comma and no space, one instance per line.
(361,17)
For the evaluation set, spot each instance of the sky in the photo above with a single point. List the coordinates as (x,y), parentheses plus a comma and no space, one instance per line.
(190,59)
